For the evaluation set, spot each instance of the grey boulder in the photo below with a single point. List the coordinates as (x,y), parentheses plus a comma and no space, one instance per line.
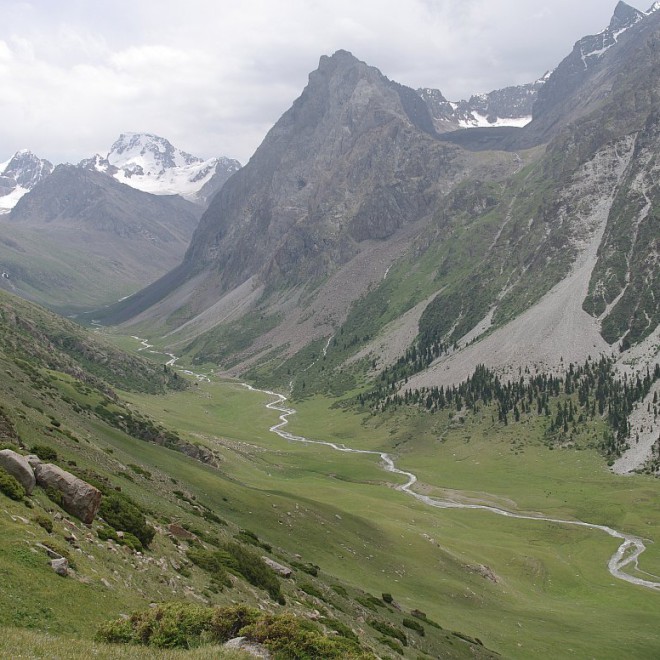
(19,468)
(79,498)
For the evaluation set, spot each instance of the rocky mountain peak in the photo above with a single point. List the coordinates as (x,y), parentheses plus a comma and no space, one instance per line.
(624,16)
(19,175)
(152,164)
(147,154)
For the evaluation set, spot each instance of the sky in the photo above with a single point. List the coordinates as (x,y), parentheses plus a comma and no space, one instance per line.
(213,76)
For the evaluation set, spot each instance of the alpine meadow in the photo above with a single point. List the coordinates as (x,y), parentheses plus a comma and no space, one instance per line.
(390,389)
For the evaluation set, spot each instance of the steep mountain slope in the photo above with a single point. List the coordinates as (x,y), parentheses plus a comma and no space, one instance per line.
(80,239)
(150,163)
(353,228)
(19,175)
(351,165)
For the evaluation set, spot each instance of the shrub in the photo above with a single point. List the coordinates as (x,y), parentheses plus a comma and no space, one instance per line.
(289,638)
(213,562)
(338,589)
(184,625)
(54,495)
(10,486)
(369,601)
(340,628)
(395,646)
(44,452)
(310,569)
(388,630)
(251,538)
(388,598)
(418,614)
(310,589)
(414,625)
(106,533)
(123,515)
(254,570)
(45,522)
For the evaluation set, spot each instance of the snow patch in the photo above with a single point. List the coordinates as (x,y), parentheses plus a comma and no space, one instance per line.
(481,121)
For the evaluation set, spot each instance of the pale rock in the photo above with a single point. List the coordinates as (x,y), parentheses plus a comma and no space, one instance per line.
(19,468)
(80,499)
(60,566)
(251,648)
(284,571)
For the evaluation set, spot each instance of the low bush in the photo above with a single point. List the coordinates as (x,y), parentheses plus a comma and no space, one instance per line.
(125,516)
(44,452)
(310,569)
(54,495)
(388,598)
(213,562)
(418,614)
(414,625)
(254,570)
(44,522)
(185,625)
(10,486)
(388,630)
(370,602)
(395,646)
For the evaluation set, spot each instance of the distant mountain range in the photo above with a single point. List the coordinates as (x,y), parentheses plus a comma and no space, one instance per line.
(140,160)
(357,219)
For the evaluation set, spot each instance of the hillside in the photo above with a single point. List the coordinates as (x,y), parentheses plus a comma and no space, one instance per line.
(376,260)
(79,239)
(172,522)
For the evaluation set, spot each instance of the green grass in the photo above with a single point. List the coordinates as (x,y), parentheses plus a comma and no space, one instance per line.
(554,590)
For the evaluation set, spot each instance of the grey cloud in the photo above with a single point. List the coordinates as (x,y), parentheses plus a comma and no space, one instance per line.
(213,76)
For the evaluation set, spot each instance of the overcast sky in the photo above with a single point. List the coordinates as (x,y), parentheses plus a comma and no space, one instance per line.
(213,76)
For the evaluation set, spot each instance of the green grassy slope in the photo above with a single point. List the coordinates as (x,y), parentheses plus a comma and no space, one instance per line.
(119,440)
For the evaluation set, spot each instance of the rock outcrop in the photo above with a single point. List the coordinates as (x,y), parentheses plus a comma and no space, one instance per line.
(19,468)
(79,498)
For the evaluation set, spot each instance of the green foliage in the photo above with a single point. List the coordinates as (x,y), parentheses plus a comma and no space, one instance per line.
(290,638)
(246,536)
(123,515)
(10,486)
(184,625)
(340,628)
(414,625)
(44,522)
(254,570)
(418,614)
(388,598)
(54,495)
(106,533)
(339,589)
(310,569)
(44,452)
(311,590)
(394,645)
(213,562)
(370,602)
(388,630)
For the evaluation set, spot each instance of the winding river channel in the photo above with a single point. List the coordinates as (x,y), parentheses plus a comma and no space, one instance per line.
(627,553)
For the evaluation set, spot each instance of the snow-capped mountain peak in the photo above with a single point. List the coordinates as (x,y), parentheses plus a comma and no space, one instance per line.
(151,153)
(19,175)
(152,164)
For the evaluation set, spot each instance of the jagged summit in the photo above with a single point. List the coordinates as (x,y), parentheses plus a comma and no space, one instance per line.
(152,164)
(19,175)
(146,153)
